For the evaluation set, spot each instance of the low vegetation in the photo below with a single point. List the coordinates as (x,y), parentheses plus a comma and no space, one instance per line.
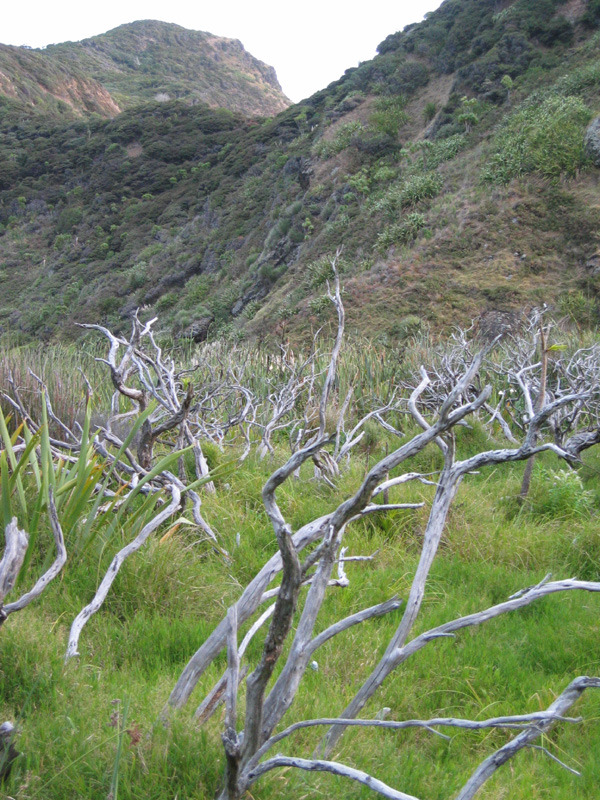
(104,711)
(543,137)
(198,513)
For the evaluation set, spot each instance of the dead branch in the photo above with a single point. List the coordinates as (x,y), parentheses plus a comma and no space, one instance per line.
(555,711)
(16,547)
(102,591)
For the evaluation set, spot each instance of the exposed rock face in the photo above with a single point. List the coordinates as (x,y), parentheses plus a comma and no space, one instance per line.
(593,263)
(198,330)
(302,168)
(592,141)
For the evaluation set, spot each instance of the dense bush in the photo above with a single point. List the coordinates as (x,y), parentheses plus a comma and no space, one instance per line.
(591,16)
(389,115)
(342,139)
(408,77)
(510,56)
(402,232)
(543,136)
(409,193)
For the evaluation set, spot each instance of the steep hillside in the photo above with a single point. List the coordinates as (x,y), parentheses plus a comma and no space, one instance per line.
(29,80)
(452,168)
(140,62)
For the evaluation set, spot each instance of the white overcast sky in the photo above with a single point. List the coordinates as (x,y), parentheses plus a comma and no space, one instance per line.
(310,43)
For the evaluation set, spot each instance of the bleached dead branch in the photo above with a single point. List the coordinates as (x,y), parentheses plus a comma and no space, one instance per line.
(14,554)
(102,591)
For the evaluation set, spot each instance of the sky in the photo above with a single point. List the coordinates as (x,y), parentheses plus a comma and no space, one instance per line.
(310,43)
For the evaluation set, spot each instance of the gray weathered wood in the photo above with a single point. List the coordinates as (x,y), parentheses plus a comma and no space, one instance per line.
(115,565)
(16,547)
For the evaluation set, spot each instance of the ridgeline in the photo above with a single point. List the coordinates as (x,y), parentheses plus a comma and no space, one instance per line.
(454,168)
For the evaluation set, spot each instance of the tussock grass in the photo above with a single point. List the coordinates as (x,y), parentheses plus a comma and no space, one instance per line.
(171,594)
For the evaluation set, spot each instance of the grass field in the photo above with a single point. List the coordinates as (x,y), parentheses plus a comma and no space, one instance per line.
(92,728)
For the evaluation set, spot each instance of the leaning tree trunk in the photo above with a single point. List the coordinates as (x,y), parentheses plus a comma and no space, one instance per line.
(538,407)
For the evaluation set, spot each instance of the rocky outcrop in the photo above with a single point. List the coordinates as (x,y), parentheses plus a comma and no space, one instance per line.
(592,141)
(198,330)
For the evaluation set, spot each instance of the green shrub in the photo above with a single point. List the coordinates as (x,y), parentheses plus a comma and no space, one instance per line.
(545,137)
(591,17)
(283,226)
(297,235)
(292,209)
(197,288)
(319,304)
(467,115)
(136,275)
(420,187)
(68,219)
(559,494)
(251,309)
(166,300)
(343,138)
(445,149)
(359,182)
(579,79)
(402,232)
(62,241)
(406,327)
(384,174)
(409,77)
(409,193)
(429,111)
(212,454)
(150,251)
(389,115)
(308,228)
(269,272)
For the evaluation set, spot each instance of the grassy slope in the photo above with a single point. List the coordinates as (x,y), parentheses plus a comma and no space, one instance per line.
(29,79)
(202,215)
(170,596)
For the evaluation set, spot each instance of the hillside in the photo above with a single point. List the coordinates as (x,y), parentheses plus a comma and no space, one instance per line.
(452,168)
(140,62)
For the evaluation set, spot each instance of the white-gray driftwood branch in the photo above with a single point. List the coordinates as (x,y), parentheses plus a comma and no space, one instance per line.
(315,765)
(115,565)
(16,547)
(555,711)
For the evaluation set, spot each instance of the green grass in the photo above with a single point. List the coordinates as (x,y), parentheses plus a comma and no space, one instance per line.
(137,182)
(544,136)
(168,598)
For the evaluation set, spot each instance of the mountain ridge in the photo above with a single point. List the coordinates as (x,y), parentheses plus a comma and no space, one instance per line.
(452,168)
(140,62)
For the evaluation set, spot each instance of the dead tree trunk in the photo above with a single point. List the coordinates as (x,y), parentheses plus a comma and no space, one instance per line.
(541,399)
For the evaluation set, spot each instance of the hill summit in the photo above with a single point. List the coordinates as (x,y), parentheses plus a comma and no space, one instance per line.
(139,62)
